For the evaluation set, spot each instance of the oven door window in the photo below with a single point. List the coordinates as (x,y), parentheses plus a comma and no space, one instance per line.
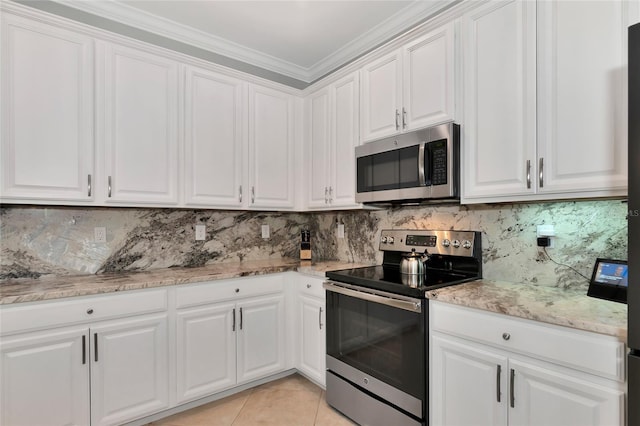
(389,170)
(385,342)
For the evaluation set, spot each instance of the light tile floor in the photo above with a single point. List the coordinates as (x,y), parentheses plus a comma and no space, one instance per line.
(291,401)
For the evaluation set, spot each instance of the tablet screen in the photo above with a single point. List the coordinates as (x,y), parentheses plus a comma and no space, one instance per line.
(609,280)
(611,273)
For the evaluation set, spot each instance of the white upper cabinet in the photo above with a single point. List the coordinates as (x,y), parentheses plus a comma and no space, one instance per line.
(381,97)
(499,130)
(582,104)
(344,139)
(47,137)
(545,100)
(271,148)
(318,149)
(138,119)
(214,118)
(428,91)
(410,88)
(332,119)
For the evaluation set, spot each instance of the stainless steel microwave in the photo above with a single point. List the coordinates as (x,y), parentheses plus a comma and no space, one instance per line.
(414,167)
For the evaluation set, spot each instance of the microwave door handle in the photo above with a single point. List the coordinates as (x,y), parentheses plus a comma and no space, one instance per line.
(421,168)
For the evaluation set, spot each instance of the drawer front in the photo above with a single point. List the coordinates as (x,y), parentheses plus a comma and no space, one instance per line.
(310,286)
(590,352)
(49,314)
(222,290)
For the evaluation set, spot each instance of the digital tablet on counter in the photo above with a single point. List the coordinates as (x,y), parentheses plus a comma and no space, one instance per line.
(609,280)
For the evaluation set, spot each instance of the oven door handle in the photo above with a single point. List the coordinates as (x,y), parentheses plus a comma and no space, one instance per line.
(383,300)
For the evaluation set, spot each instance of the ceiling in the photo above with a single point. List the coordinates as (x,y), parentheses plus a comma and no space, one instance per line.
(304,39)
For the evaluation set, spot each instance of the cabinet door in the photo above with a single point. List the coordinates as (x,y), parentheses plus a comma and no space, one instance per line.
(129,369)
(345,107)
(214,108)
(270,148)
(140,126)
(582,105)
(318,105)
(312,344)
(428,65)
(47,112)
(381,95)
(551,397)
(468,384)
(499,134)
(260,338)
(206,354)
(45,378)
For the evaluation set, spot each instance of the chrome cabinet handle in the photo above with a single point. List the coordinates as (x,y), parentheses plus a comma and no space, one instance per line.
(320,318)
(397,120)
(331,194)
(541,175)
(498,374)
(240,197)
(95,345)
(528,174)
(233,326)
(109,187)
(84,349)
(326,195)
(512,396)
(404,118)
(253,197)
(240,318)
(422,178)
(89,185)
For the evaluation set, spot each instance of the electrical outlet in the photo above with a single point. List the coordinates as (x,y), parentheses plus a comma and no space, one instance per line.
(201,232)
(340,230)
(100,234)
(265,232)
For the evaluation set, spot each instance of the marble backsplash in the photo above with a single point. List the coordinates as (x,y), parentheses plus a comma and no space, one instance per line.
(56,240)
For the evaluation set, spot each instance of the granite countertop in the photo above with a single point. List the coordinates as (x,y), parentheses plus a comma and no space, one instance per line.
(540,303)
(55,287)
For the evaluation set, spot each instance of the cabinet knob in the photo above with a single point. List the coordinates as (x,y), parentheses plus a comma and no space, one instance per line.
(308,285)
(506,336)
(237,290)
(89,311)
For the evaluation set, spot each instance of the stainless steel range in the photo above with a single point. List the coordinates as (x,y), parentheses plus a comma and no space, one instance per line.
(377,324)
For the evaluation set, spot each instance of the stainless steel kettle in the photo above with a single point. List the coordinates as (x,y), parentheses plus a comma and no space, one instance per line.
(414,263)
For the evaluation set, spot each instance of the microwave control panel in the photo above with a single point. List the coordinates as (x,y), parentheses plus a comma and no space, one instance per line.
(438,151)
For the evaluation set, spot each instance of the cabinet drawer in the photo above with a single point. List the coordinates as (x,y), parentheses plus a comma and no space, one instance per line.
(41,315)
(590,352)
(217,291)
(311,286)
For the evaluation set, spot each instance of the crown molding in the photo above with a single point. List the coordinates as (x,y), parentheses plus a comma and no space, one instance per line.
(394,25)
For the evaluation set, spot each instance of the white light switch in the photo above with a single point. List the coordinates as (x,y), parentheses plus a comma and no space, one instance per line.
(201,232)
(265,232)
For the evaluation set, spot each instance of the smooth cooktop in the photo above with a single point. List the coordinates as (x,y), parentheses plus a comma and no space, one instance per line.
(389,279)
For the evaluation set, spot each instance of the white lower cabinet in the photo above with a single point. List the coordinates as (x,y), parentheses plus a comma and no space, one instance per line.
(109,369)
(206,354)
(129,369)
(499,376)
(45,378)
(260,338)
(311,337)
(228,333)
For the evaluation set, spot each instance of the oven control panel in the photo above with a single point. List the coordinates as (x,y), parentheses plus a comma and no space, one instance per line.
(456,243)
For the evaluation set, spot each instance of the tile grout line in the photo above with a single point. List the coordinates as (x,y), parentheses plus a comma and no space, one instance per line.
(243,406)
